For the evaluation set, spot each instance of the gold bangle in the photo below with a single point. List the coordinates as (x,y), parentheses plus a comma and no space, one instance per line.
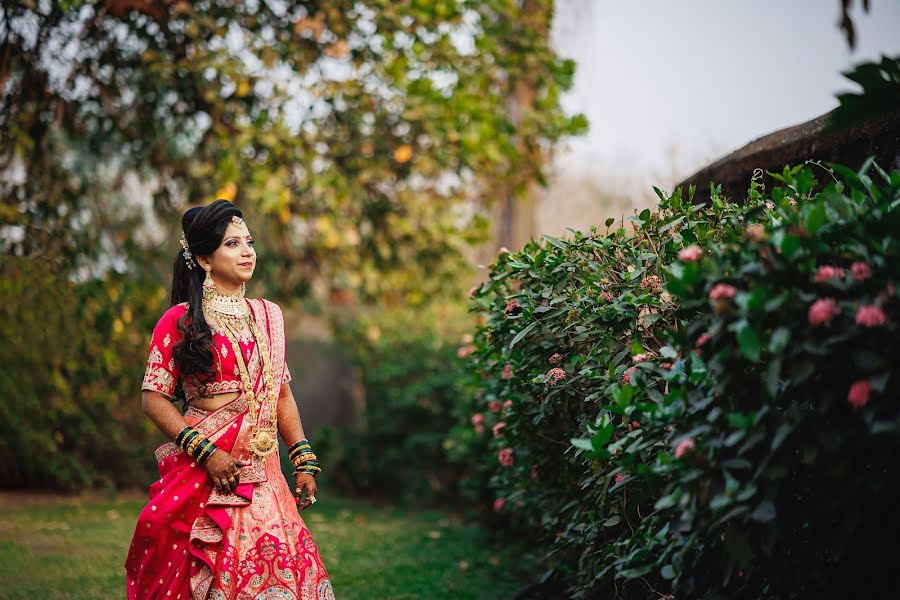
(192,447)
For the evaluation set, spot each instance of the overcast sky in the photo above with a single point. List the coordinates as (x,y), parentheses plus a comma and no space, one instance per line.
(703,76)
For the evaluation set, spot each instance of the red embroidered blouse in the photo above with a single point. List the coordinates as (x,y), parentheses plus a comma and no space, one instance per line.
(162,373)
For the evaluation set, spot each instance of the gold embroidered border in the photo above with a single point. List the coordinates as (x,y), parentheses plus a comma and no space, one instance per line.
(158,379)
(166,450)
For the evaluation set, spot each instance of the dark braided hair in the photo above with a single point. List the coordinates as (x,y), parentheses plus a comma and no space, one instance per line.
(204,228)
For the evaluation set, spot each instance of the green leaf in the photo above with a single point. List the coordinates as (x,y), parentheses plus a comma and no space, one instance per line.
(556,242)
(748,342)
(764,512)
(815,218)
(602,436)
(665,502)
(780,434)
(582,444)
(779,340)
(789,245)
(523,333)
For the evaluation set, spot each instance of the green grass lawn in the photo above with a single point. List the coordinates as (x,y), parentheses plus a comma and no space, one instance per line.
(74,549)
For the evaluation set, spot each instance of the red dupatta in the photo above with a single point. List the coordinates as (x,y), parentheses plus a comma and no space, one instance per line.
(173,553)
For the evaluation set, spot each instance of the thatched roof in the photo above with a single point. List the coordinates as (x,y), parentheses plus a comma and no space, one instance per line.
(877,136)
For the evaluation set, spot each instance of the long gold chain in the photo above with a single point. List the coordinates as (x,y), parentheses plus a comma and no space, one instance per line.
(265,439)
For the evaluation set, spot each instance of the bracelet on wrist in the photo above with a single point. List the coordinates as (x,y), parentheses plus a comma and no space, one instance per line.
(301,447)
(195,444)
(303,458)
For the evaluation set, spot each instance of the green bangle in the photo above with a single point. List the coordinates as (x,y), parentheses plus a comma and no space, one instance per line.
(179,439)
(207,450)
(186,441)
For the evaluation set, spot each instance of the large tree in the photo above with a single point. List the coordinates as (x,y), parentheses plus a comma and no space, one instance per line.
(362,137)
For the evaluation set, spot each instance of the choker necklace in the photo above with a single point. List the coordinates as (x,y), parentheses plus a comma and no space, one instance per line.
(227,305)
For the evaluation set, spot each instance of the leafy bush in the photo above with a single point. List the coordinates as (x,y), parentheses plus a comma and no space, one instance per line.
(74,356)
(407,366)
(567,326)
(787,482)
(655,444)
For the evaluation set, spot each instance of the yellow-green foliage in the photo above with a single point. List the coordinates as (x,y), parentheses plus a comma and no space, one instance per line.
(73,359)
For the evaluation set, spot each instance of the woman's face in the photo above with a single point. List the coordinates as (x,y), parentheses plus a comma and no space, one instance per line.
(234,260)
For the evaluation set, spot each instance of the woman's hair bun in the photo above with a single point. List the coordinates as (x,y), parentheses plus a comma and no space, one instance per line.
(188,218)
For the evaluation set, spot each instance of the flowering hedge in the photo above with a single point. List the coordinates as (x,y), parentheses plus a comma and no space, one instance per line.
(655,444)
(569,332)
(787,481)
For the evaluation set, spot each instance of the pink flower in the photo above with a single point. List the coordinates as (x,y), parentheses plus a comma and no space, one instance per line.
(770,206)
(505,456)
(652,282)
(633,425)
(827,272)
(860,271)
(512,307)
(722,291)
(684,446)
(822,311)
(704,337)
(507,404)
(870,316)
(503,250)
(494,406)
(691,253)
(498,429)
(638,358)
(498,504)
(626,376)
(619,478)
(555,358)
(507,372)
(792,202)
(555,375)
(666,365)
(473,291)
(859,394)
(756,232)
(466,350)
(477,419)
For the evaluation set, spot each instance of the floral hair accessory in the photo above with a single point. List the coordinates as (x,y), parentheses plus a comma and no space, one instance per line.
(188,257)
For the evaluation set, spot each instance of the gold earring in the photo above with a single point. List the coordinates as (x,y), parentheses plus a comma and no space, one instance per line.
(208,283)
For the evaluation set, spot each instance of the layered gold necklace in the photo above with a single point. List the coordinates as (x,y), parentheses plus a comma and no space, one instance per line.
(230,312)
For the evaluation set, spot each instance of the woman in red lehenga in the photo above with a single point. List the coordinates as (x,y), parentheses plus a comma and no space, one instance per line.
(222,522)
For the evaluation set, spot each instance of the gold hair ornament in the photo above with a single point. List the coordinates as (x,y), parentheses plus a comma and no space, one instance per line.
(188,256)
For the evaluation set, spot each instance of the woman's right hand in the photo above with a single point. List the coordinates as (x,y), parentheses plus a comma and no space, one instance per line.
(223,470)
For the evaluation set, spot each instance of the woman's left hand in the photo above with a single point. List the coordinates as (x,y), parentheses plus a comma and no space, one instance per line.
(307,482)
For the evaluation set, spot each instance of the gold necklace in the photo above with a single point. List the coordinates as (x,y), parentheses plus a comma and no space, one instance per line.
(229,305)
(265,439)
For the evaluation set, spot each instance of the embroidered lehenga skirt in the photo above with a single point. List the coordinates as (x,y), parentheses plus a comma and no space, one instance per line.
(192,542)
